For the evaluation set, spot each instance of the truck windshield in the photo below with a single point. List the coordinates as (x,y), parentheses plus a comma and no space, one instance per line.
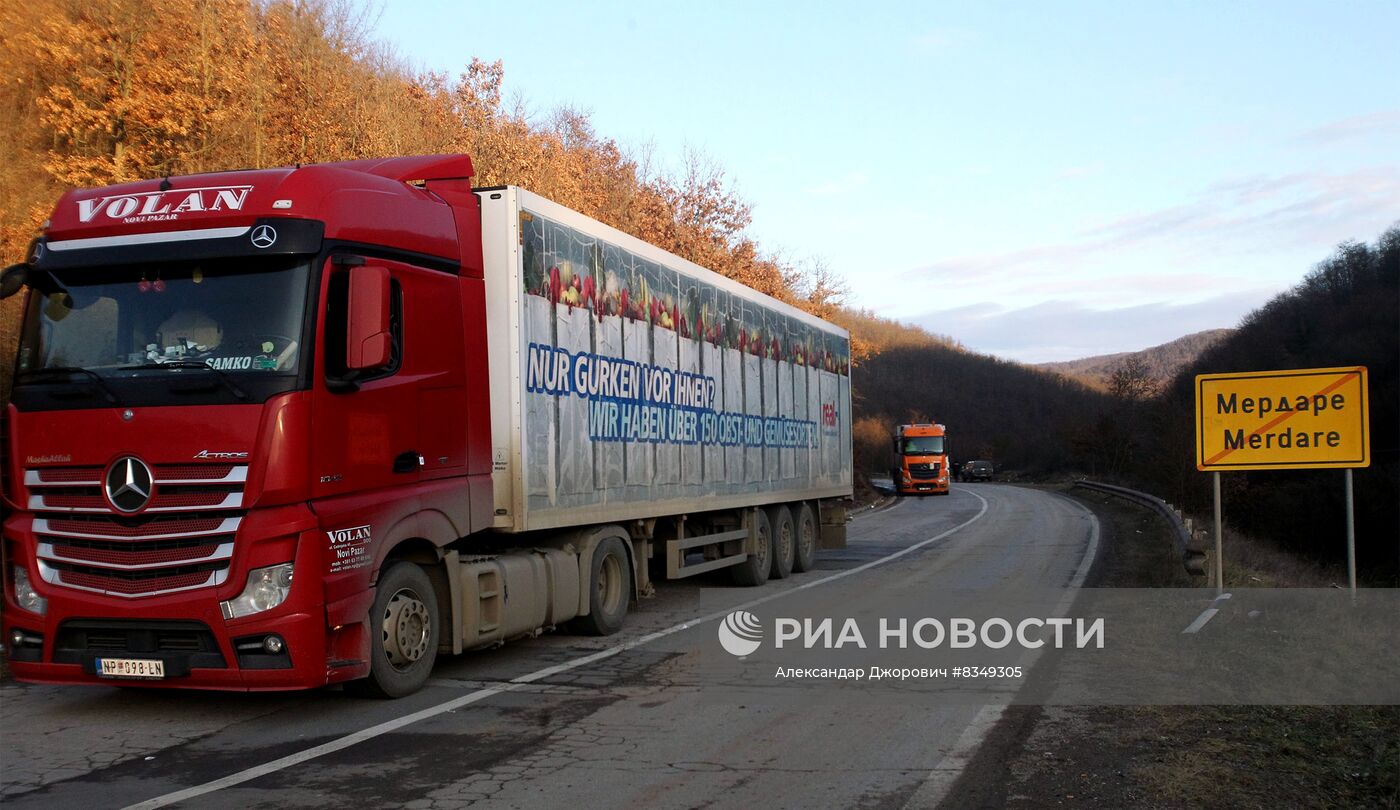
(241,316)
(922,446)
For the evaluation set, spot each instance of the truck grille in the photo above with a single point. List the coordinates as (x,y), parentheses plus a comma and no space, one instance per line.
(79,638)
(923,472)
(181,541)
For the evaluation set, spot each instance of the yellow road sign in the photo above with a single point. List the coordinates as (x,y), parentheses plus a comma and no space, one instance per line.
(1283,420)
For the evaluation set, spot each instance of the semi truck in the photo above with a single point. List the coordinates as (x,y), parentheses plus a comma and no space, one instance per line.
(921,459)
(282,428)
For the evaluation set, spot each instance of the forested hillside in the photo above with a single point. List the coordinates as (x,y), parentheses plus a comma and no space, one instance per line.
(1025,420)
(1345,312)
(1159,363)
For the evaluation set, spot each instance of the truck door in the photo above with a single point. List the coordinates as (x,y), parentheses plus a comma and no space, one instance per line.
(403,422)
(388,440)
(364,427)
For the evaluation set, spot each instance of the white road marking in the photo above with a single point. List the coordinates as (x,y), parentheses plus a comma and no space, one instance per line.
(940,780)
(397,723)
(1206,615)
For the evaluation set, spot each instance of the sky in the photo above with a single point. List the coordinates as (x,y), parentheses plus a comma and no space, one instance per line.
(1040,181)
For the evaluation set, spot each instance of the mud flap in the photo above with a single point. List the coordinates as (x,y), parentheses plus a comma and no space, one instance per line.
(834,516)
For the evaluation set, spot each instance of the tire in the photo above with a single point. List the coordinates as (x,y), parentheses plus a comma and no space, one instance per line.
(784,541)
(805,539)
(404,632)
(754,571)
(609,590)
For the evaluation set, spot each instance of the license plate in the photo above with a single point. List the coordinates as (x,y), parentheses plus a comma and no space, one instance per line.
(130,668)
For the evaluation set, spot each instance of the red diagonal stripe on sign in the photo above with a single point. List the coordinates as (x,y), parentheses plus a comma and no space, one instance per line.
(1284,417)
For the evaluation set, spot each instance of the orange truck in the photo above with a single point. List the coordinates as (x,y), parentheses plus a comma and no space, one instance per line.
(921,459)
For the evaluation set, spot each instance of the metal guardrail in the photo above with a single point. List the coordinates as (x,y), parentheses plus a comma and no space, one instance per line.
(1192,559)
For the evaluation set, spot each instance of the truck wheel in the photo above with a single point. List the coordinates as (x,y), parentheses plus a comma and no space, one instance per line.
(805,539)
(784,541)
(609,594)
(754,570)
(404,628)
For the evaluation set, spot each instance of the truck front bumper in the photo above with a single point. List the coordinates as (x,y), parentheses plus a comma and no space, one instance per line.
(285,647)
(199,650)
(932,486)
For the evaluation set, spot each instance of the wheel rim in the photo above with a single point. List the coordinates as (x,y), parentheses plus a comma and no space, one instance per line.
(785,546)
(765,547)
(610,584)
(805,538)
(407,629)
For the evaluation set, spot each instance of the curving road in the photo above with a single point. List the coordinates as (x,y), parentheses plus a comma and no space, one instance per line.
(657,716)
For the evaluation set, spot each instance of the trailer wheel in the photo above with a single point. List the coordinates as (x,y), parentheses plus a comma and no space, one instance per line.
(609,594)
(784,541)
(805,539)
(754,570)
(404,630)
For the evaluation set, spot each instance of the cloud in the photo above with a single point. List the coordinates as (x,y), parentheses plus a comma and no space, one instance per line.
(1267,207)
(1381,122)
(1310,211)
(1068,330)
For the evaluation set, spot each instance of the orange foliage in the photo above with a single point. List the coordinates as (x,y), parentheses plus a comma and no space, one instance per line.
(104,92)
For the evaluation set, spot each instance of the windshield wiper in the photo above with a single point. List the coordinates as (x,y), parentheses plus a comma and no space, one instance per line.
(192,364)
(107,393)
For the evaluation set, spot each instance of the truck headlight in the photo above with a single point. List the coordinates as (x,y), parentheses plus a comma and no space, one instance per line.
(25,595)
(266,589)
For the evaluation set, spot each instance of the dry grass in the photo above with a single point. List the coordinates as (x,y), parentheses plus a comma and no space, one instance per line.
(1270,756)
(1253,563)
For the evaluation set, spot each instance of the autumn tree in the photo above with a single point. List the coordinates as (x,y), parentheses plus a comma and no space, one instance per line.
(108,91)
(1132,381)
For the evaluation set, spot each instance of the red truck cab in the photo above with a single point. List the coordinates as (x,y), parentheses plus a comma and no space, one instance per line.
(230,382)
(921,460)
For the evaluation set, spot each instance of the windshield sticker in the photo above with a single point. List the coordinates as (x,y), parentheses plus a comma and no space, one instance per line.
(193,351)
(233,363)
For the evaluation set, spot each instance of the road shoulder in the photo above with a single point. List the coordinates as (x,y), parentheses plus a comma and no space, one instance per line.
(1179,756)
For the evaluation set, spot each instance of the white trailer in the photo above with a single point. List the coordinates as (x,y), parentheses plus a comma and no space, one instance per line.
(650,418)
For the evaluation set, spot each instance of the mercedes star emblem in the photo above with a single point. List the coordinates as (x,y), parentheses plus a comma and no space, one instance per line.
(264,236)
(129,484)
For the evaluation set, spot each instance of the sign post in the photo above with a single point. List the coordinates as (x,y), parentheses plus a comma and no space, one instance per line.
(1311,418)
(1351,539)
(1219,542)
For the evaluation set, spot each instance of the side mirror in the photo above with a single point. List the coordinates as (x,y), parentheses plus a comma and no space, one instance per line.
(12,280)
(367,339)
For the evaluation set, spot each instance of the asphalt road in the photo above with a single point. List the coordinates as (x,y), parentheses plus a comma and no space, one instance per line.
(657,716)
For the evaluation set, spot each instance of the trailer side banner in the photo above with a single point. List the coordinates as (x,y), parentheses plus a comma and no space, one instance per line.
(647,380)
